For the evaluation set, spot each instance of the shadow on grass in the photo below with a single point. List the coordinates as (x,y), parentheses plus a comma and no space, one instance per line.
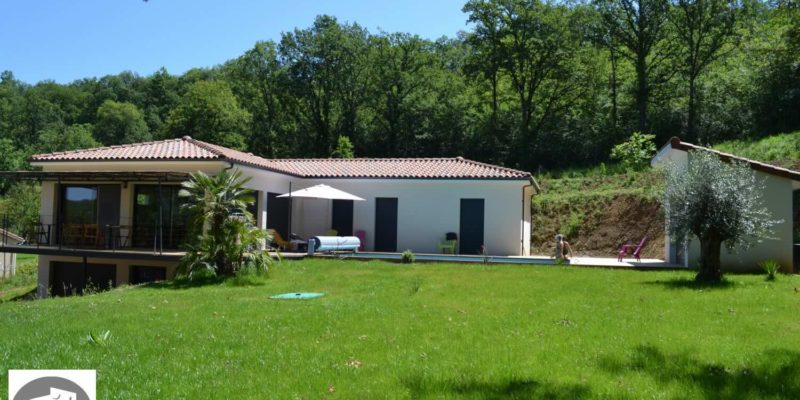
(510,389)
(776,374)
(19,295)
(689,283)
(184,283)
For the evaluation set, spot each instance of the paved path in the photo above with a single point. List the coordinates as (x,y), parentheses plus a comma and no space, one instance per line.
(645,263)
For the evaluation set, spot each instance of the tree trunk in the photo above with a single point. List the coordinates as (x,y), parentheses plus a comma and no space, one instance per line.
(710,268)
(642,90)
(493,81)
(692,117)
(613,54)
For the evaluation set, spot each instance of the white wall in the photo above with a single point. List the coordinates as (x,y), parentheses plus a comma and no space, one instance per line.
(427,209)
(777,198)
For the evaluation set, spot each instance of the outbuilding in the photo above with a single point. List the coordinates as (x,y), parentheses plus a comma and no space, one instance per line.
(781,197)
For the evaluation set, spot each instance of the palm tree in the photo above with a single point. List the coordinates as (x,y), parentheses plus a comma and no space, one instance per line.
(224,237)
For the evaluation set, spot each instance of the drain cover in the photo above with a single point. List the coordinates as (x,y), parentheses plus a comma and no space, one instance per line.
(296,296)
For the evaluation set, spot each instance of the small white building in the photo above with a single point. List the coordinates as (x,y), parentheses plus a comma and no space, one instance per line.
(780,198)
(111,215)
(8,260)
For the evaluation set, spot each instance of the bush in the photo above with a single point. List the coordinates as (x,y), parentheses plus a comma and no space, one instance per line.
(344,148)
(636,152)
(771,267)
(573,225)
(407,257)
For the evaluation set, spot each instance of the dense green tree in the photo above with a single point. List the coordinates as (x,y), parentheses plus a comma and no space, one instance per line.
(327,68)
(400,92)
(58,137)
(21,206)
(639,26)
(536,45)
(259,81)
(161,94)
(530,84)
(13,159)
(119,123)
(705,30)
(210,112)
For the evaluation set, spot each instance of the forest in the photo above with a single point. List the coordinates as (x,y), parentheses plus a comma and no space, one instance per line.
(529,84)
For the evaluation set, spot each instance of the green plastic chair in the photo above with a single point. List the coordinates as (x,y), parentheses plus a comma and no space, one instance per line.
(447,246)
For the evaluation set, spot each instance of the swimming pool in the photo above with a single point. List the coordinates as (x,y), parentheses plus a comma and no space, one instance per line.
(460,258)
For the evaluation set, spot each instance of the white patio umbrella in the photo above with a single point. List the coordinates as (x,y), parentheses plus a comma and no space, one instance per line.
(318,192)
(322,192)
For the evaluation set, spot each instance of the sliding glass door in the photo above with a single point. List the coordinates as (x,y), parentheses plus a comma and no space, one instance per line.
(87,212)
(149,213)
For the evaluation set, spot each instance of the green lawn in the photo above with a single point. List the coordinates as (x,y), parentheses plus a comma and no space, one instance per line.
(426,331)
(23,282)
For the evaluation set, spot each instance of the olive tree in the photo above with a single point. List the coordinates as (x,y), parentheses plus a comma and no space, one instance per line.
(717,203)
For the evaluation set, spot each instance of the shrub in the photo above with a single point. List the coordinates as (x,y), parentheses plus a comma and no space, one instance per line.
(635,153)
(407,257)
(224,238)
(574,223)
(98,339)
(344,148)
(771,267)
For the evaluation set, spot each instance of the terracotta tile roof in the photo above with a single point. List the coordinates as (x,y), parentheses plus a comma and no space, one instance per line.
(172,149)
(677,144)
(187,148)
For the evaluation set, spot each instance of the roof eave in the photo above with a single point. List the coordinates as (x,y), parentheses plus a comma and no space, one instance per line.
(676,144)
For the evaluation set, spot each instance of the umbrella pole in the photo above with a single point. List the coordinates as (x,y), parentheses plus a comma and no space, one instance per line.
(289,234)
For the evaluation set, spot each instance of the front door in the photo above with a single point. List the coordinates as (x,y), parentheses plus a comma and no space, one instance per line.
(470,237)
(278,214)
(386,224)
(342,219)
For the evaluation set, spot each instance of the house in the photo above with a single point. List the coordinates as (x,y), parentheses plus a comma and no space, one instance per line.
(781,198)
(112,215)
(8,261)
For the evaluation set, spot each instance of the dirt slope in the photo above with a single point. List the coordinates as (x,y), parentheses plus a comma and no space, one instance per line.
(599,214)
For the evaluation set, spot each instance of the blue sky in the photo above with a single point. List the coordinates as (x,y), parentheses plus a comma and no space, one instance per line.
(68,40)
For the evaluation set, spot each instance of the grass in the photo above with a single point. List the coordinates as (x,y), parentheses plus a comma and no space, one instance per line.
(424,331)
(23,282)
(783,149)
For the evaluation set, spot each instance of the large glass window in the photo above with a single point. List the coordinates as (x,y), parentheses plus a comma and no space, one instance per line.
(79,205)
(88,213)
(148,212)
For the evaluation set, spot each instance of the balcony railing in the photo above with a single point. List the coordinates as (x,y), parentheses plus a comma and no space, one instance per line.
(127,235)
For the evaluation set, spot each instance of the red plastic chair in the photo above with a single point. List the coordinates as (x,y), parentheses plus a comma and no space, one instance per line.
(637,250)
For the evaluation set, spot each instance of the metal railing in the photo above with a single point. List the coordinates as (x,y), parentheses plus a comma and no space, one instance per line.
(48,231)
